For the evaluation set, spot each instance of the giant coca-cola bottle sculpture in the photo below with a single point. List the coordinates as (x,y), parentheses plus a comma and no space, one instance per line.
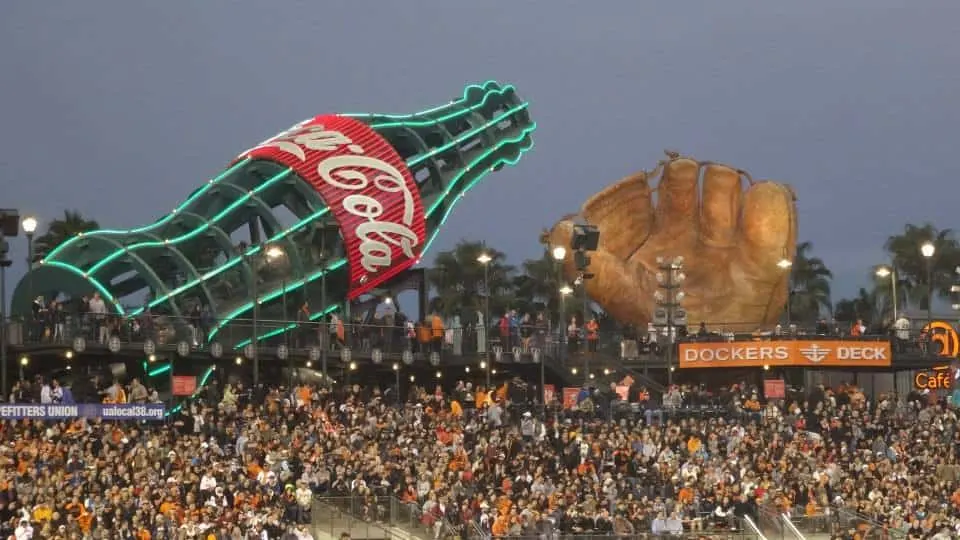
(348,199)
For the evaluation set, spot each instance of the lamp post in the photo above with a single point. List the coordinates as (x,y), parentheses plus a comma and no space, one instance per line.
(891,272)
(275,254)
(786,264)
(396,371)
(559,253)
(485,259)
(324,333)
(669,297)
(565,291)
(29,225)
(928,250)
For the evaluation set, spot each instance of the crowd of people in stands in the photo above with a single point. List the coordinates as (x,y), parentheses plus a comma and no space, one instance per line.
(247,463)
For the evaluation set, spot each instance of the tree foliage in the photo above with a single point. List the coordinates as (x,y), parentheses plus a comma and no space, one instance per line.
(60,230)
(809,285)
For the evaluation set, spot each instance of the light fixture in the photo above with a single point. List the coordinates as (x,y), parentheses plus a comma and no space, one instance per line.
(396,366)
(274,252)
(566,290)
(353,366)
(239,360)
(606,371)
(388,300)
(68,354)
(766,367)
(412,378)
(883,271)
(24,360)
(439,375)
(484,258)
(467,369)
(153,358)
(559,253)
(928,249)
(592,375)
(573,371)
(309,364)
(494,372)
(483,365)
(784,263)
(29,224)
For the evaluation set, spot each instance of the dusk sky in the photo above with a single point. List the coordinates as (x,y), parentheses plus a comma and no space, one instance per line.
(120,109)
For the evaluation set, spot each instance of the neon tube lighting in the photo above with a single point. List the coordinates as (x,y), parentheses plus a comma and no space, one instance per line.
(159,223)
(196,230)
(254,249)
(447,213)
(203,189)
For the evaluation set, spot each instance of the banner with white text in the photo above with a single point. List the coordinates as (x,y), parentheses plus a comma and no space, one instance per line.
(103,411)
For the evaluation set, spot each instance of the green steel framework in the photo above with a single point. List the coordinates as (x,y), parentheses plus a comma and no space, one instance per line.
(456,145)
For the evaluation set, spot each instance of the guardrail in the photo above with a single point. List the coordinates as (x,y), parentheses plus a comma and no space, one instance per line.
(385,512)
(61,328)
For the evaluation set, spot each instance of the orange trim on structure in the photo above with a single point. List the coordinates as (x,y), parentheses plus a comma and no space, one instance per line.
(803,353)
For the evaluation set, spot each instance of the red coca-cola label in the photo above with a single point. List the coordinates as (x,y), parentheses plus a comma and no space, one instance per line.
(367,187)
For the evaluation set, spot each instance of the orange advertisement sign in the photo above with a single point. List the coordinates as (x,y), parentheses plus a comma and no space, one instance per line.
(943,339)
(800,353)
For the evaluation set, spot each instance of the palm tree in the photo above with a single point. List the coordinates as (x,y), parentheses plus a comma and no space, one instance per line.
(458,277)
(809,285)
(914,282)
(868,306)
(537,288)
(61,230)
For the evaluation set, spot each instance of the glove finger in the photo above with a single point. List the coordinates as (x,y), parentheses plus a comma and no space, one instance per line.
(618,286)
(623,213)
(720,205)
(769,226)
(677,197)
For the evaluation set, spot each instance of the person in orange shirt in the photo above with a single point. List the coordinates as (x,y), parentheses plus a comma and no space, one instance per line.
(436,333)
(593,334)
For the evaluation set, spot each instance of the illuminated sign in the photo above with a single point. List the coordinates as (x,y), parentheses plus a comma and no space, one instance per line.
(939,378)
(943,333)
(786,353)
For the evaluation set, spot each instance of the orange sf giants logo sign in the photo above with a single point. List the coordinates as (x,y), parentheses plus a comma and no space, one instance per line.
(367,187)
(943,339)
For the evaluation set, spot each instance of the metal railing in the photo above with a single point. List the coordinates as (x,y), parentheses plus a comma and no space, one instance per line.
(845,520)
(741,534)
(61,327)
(776,525)
(386,513)
(333,522)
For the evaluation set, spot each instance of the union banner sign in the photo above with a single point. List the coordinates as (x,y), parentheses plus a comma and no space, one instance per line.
(812,353)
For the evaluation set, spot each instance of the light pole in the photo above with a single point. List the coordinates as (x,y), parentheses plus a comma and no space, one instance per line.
(324,333)
(891,272)
(396,372)
(29,225)
(928,250)
(669,296)
(559,253)
(9,227)
(275,254)
(565,291)
(585,342)
(786,264)
(485,259)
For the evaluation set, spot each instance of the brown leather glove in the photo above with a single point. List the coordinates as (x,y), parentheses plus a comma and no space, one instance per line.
(731,241)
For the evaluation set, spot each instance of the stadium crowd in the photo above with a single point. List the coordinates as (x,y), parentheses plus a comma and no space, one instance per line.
(241,463)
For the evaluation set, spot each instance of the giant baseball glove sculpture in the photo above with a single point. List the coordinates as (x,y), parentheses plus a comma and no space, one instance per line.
(733,236)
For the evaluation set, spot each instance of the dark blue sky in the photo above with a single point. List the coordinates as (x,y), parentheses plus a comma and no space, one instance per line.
(119,109)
